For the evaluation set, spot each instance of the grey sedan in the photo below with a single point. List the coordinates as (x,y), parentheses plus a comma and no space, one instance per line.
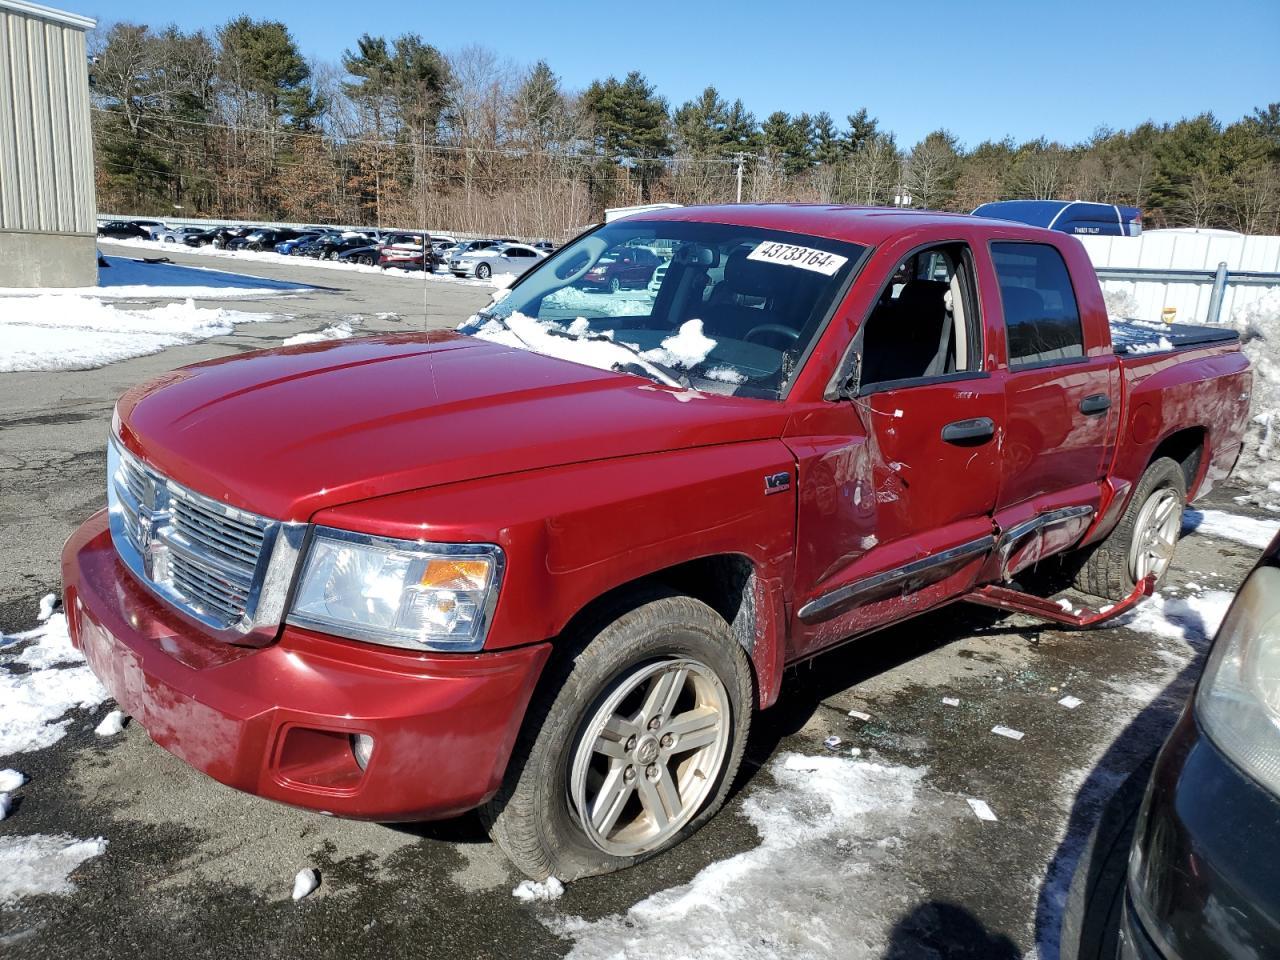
(512,258)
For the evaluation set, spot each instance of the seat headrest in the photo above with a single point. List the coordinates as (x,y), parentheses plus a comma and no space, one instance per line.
(752,278)
(923,294)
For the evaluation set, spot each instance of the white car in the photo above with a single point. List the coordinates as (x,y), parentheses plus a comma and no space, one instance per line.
(512,258)
(175,234)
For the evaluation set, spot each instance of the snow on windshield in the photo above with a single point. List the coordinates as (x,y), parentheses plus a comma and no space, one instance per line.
(684,349)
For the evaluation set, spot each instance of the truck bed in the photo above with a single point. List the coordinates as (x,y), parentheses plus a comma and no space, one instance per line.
(1143,336)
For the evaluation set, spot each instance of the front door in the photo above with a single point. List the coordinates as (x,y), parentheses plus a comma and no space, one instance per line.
(898,484)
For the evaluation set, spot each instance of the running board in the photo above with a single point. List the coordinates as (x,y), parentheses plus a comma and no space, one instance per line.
(1005,598)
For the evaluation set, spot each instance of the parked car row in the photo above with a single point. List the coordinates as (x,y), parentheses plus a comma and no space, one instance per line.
(404,250)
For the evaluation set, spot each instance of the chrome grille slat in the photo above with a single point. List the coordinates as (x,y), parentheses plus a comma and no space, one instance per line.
(207,584)
(207,559)
(198,529)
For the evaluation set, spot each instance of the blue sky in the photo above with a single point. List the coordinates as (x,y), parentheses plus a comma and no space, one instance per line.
(982,69)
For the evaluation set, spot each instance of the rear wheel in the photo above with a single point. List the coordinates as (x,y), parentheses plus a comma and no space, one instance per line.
(632,746)
(1143,542)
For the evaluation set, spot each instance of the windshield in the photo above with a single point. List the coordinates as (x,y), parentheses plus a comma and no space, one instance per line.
(721,308)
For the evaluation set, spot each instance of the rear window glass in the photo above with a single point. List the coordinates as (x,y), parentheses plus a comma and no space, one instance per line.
(1040,313)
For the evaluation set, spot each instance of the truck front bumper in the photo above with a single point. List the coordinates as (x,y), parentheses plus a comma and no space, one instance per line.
(278,721)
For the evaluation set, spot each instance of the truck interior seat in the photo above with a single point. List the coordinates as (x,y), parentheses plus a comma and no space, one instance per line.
(745,298)
(905,336)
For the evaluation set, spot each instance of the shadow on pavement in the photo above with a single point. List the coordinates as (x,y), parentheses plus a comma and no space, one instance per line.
(939,929)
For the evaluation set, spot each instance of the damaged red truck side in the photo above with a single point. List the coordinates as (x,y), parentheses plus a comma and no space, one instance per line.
(405,576)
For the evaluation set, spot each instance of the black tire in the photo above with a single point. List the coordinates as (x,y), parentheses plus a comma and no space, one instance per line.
(1091,916)
(532,817)
(614,285)
(1105,571)
(483,271)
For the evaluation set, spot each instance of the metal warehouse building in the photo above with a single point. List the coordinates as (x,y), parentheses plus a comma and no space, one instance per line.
(47,206)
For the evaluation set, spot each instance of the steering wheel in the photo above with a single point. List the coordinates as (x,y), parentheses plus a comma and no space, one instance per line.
(772,328)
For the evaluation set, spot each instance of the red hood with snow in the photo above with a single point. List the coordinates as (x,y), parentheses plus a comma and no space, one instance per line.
(290,431)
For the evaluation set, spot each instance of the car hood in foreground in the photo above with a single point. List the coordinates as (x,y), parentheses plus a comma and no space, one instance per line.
(291,431)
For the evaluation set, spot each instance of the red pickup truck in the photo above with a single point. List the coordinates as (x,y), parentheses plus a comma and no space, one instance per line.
(551,564)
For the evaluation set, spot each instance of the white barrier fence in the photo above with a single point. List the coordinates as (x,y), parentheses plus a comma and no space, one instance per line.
(1196,250)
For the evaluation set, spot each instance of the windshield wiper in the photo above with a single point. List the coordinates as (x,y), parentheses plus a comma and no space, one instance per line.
(502,322)
(659,371)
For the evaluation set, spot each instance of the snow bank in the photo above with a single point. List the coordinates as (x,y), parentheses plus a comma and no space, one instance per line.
(42,864)
(1231,526)
(1259,326)
(824,864)
(59,332)
(52,681)
(273,257)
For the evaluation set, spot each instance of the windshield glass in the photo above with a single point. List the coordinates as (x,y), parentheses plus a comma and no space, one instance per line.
(721,308)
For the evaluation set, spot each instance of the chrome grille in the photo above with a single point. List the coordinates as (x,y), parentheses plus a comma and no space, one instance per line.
(227,568)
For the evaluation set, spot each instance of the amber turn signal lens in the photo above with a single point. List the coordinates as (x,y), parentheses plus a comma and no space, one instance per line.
(449,574)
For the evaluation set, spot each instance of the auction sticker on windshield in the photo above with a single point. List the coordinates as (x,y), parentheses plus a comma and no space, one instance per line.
(791,255)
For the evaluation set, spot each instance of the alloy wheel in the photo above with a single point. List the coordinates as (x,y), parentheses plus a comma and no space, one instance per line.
(649,756)
(1155,535)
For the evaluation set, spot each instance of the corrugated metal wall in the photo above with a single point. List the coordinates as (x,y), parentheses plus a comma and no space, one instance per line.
(46,148)
(1179,250)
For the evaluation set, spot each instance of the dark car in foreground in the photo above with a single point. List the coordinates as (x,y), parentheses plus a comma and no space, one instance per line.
(1184,860)
(1204,872)
(632,267)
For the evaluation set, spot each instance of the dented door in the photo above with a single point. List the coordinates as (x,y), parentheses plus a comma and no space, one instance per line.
(893,517)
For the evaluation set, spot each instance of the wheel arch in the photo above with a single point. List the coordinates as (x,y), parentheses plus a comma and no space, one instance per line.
(730,584)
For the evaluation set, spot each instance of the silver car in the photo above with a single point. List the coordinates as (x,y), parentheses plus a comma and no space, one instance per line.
(512,258)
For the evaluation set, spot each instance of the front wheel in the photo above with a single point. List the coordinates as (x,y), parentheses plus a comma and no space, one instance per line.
(1143,542)
(483,271)
(632,746)
(614,285)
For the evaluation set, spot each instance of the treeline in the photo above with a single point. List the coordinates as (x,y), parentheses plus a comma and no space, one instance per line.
(240,125)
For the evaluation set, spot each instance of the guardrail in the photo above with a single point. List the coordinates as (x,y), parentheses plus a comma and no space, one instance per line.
(1220,279)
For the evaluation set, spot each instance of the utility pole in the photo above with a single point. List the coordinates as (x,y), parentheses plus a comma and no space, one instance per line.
(739,200)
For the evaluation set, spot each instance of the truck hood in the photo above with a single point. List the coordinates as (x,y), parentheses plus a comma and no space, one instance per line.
(287,432)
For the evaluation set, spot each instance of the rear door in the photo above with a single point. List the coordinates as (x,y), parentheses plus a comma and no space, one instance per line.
(1059,402)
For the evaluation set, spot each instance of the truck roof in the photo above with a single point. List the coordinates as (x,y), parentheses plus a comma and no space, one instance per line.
(863,225)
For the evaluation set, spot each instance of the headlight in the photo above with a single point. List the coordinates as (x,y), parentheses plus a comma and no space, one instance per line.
(403,593)
(1239,699)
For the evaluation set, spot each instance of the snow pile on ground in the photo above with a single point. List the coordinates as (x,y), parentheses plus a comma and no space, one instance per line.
(42,864)
(826,862)
(1231,526)
(337,331)
(305,883)
(111,724)
(1194,619)
(51,680)
(59,332)
(1259,326)
(534,890)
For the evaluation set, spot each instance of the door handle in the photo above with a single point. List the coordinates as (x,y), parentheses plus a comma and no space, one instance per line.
(1096,404)
(977,430)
